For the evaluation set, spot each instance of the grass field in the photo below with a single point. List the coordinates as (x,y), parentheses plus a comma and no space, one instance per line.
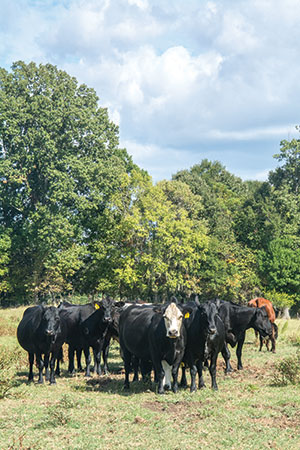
(248,411)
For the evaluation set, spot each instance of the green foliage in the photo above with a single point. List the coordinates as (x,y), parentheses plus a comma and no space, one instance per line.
(162,247)
(279,265)
(60,167)
(77,217)
(5,244)
(280,299)
(288,173)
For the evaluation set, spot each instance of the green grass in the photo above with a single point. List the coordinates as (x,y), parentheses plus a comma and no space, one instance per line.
(248,411)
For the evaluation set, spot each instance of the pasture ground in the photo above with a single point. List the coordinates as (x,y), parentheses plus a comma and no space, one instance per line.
(248,411)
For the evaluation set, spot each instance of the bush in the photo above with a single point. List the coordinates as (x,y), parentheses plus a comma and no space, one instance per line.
(287,370)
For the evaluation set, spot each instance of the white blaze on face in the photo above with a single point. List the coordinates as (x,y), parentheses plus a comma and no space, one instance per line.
(173,320)
(167,378)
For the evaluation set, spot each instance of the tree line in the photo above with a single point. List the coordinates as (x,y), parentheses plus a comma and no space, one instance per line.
(78,217)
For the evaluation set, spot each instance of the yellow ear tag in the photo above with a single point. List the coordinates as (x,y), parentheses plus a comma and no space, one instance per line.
(97,306)
(187,315)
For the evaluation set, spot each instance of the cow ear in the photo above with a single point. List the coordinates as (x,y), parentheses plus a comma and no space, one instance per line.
(186,311)
(218,303)
(157,309)
(120,304)
(97,304)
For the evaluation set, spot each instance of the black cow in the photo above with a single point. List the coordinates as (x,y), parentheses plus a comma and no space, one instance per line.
(134,325)
(97,330)
(155,335)
(85,325)
(205,339)
(237,319)
(41,332)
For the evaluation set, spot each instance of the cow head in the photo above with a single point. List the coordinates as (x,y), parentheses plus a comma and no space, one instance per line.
(172,316)
(262,323)
(51,322)
(208,311)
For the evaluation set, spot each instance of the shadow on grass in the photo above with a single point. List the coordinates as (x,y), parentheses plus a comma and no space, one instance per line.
(110,385)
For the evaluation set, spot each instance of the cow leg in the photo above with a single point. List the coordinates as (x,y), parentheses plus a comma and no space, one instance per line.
(257,335)
(213,371)
(71,351)
(193,371)
(53,358)
(58,359)
(97,360)
(146,367)
(226,355)
(183,382)
(135,363)
(31,361)
(175,370)
(199,367)
(261,342)
(273,340)
(160,373)
(161,379)
(88,358)
(46,365)
(127,365)
(239,351)
(167,378)
(78,358)
(105,351)
(40,364)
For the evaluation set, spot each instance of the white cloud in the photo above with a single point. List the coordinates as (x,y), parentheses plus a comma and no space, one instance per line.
(177,76)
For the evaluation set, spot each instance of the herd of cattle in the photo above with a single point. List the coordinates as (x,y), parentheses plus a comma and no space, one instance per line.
(162,337)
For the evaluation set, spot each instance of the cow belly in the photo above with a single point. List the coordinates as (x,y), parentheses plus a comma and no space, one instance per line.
(168,371)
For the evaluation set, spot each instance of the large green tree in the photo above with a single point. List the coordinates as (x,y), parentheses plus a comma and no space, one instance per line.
(60,166)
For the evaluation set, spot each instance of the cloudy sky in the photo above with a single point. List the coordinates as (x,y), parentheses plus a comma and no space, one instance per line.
(185,80)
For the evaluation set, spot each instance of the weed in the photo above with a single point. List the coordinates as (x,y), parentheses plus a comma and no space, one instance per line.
(18,444)
(284,327)
(8,366)
(287,371)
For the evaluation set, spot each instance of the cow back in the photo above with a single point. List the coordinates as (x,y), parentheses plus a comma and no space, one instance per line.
(28,327)
(260,302)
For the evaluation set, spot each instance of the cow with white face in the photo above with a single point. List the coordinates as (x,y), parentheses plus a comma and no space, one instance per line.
(167,341)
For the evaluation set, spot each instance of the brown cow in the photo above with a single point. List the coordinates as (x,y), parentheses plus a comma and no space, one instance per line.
(258,302)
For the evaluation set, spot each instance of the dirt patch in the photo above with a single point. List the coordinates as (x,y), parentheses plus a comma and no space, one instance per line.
(177,410)
(282,422)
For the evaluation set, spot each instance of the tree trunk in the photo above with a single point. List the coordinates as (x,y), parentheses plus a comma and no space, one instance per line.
(286,313)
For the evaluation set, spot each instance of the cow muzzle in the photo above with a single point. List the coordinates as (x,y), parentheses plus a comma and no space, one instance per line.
(212,330)
(173,334)
(49,332)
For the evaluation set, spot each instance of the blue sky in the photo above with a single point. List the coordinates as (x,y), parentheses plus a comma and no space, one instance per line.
(184,80)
